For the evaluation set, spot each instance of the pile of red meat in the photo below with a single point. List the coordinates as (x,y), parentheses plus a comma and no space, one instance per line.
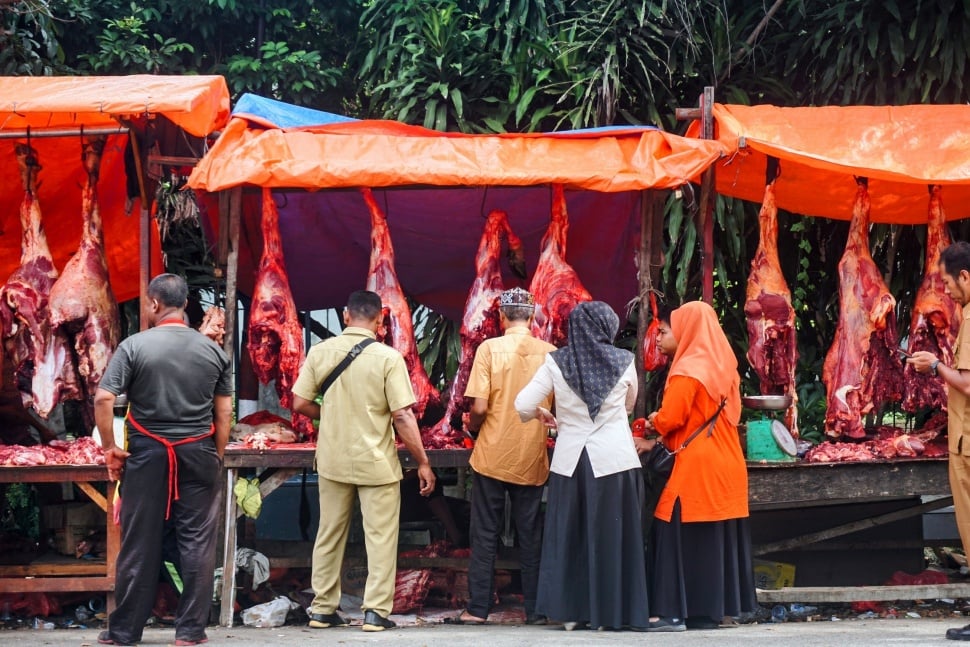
(437,587)
(889,443)
(83,451)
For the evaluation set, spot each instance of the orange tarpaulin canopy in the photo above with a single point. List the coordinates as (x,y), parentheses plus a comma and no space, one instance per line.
(901,149)
(387,153)
(197,104)
(436,189)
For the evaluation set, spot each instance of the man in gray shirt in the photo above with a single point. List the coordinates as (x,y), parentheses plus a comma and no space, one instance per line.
(180,404)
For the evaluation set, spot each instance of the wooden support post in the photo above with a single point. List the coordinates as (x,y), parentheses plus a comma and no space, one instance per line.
(144,233)
(232,268)
(228,593)
(705,213)
(113,544)
(646,284)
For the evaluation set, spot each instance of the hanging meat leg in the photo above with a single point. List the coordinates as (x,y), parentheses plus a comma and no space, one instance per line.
(772,350)
(861,370)
(275,335)
(83,307)
(382,279)
(555,285)
(480,320)
(936,316)
(25,317)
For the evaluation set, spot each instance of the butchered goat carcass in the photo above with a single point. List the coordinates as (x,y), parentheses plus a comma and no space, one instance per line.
(862,370)
(555,284)
(772,338)
(83,306)
(936,316)
(480,320)
(275,335)
(40,363)
(399,327)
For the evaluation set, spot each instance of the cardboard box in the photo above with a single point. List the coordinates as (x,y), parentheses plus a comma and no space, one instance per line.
(68,523)
(65,540)
(56,516)
(773,575)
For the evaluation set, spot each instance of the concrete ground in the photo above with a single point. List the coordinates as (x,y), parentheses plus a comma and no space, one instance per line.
(847,633)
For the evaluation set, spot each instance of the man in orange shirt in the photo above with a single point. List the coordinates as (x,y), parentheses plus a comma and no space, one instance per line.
(509,456)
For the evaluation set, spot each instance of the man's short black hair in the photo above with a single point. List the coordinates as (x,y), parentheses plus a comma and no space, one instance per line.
(170,290)
(663,312)
(364,304)
(956,258)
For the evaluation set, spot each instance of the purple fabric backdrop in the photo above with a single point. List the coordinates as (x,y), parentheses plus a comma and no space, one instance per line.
(435,232)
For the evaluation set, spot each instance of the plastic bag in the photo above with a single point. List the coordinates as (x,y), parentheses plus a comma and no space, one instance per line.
(652,357)
(269,614)
(248,497)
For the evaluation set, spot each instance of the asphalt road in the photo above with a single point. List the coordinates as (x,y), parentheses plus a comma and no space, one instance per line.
(847,633)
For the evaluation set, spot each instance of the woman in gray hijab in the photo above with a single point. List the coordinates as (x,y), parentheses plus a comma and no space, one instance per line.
(592,568)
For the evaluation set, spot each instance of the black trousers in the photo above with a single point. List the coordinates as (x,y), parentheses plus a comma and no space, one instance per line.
(144,496)
(488,507)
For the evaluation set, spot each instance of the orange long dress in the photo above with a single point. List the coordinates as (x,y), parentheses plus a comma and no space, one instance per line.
(709,477)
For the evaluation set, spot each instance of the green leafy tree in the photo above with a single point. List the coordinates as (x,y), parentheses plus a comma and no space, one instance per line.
(292,50)
(28,40)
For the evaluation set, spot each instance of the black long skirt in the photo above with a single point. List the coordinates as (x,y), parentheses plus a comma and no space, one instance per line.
(592,562)
(702,569)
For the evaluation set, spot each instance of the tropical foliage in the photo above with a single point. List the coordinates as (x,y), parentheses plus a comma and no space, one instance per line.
(521,65)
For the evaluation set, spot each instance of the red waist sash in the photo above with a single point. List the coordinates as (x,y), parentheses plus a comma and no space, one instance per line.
(173,465)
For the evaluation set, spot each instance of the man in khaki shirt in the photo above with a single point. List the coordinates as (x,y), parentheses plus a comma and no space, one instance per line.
(356,456)
(509,456)
(955,271)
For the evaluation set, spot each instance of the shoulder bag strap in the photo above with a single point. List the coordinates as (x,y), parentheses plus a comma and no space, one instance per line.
(709,424)
(344,363)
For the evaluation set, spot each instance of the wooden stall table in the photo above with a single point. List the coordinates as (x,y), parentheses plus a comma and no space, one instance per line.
(790,485)
(279,465)
(770,485)
(65,574)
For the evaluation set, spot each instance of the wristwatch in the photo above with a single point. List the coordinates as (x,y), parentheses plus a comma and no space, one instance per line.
(933,366)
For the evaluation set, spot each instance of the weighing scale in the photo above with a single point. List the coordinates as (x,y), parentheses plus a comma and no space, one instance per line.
(768,439)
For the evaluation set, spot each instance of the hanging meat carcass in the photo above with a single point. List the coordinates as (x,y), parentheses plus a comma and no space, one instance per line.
(480,320)
(275,335)
(861,370)
(25,315)
(936,316)
(213,324)
(399,328)
(555,285)
(83,307)
(772,350)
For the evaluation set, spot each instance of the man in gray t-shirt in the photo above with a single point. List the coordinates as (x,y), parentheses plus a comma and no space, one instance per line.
(179,391)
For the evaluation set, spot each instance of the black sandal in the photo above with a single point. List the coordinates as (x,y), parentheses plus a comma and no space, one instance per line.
(458,620)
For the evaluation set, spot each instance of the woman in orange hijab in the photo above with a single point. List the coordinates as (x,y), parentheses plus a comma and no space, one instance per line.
(701,567)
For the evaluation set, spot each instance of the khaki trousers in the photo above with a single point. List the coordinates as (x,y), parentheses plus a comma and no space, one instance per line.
(380,506)
(960,486)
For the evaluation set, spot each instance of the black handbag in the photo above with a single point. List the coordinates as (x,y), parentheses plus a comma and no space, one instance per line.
(660,460)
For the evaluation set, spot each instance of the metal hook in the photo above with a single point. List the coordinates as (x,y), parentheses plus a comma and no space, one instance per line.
(484,197)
